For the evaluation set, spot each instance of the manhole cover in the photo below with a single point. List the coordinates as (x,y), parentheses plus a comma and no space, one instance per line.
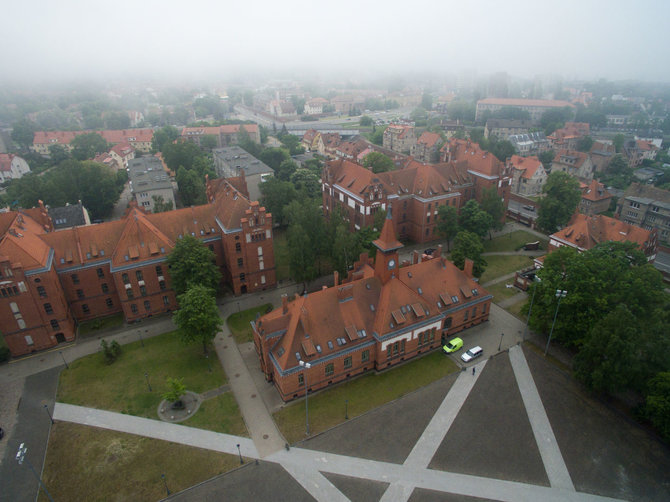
(253,395)
(265,436)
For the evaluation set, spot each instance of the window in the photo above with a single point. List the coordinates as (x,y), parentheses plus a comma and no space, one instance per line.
(85,308)
(109,303)
(365,356)
(54,324)
(48,309)
(41,291)
(301,379)
(133,308)
(130,294)
(101,273)
(166,300)
(465,316)
(159,270)
(161,284)
(29,339)
(347,362)
(147,305)
(138,274)
(389,348)
(330,369)
(238,247)
(240,262)
(243,277)
(474,312)
(402,346)
(143,290)
(80,293)
(447,323)
(125,279)
(75,279)
(395,349)
(484,309)
(104,287)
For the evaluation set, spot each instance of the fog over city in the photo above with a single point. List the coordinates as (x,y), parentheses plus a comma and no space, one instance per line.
(72,40)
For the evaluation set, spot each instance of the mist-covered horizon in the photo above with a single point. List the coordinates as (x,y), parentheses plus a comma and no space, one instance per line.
(69,42)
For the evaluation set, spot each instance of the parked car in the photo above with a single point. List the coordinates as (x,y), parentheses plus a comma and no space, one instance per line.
(429,251)
(453,346)
(472,353)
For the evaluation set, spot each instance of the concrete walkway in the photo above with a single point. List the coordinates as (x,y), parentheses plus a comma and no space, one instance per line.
(557,471)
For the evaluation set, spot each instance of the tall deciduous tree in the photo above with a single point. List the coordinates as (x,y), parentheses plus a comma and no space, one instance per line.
(657,403)
(469,245)
(163,136)
(562,195)
(191,187)
(277,195)
(23,133)
(447,223)
(474,219)
(378,162)
(88,145)
(273,157)
(306,182)
(198,318)
(493,204)
(192,264)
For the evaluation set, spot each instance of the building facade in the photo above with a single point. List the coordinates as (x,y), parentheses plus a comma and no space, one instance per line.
(233,161)
(595,199)
(140,139)
(148,182)
(226,135)
(51,280)
(574,163)
(12,167)
(399,138)
(383,314)
(648,207)
(427,147)
(534,107)
(528,175)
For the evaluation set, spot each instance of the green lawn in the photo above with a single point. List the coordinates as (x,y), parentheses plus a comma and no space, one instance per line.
(513,241)
(87,463)
(280,244)
(239,323)
(113,321)
(502,265)
(122,386)
(515,310)
(500,291)
(219,414)
(327,408)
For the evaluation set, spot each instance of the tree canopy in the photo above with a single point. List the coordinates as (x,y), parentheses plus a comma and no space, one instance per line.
(474,219)
(469,245)
(278,194)
(378,162)
(493,204)
(198,318)
(23,132)
(88,145)
(447,223)
(192,264)
(562,196)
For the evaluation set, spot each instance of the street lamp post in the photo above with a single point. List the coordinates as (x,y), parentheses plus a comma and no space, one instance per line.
(20,457)
(346,409)
(239,453)
(559,294)
(306,366)
(46,408)
(139,333)
(167,490)
(536,279)
(146,377)
(501,338)
(67,366)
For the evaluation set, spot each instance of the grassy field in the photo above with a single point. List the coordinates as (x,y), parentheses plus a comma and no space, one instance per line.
(113,321)
(122,386)
(86,463)
(239,323)
(280,244)
(219,414)
(502,265)
(512,242)
(516,310)
(500,291)
(327,408)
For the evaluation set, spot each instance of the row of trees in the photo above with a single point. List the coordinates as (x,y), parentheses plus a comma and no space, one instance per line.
(615,315)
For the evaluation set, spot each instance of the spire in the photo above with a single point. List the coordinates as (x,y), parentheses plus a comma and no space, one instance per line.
(387,240)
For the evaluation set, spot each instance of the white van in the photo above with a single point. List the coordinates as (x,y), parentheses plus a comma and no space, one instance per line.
(471,354)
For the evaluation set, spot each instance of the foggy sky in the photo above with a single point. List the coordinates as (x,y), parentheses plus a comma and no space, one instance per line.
(91,40)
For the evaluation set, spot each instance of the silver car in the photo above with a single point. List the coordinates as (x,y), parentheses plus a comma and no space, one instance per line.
(471,354)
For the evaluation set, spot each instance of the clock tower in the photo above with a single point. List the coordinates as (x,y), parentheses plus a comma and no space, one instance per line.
(386,261)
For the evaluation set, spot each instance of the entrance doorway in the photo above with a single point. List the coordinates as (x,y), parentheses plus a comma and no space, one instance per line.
(60,337)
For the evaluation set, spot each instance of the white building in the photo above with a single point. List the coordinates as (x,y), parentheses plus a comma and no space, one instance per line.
(12,167)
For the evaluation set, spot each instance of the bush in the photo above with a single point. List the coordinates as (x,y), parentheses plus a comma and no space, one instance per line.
(4,352)
(176,390)
(110,351)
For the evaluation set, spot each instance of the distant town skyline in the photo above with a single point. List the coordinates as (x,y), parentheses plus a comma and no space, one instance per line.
(65,41)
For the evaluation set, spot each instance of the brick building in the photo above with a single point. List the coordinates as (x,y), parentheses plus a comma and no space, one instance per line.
(225,135)
(51,280)
(595,199)
(427,147)
(399,138)
(528,175)
(139,139)
(383,314)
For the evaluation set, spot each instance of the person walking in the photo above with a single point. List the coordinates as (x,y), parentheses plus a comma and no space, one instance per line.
(473,370)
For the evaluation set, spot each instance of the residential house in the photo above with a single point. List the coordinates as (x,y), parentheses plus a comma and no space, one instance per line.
(225,135)
(569,135)
(12,167)
(122,154)
(311,139)
(595,199)
(504,128)
(383,314)
(534,107)
(53,280)
(329,142)
(648,207)
(314,106)
(532,143)
(427,147)
(281,109)
(347,103)
(576,164)
(140,139)
(351,149)
(68,216)
(148,182)
(234,162)
(586,231)
(638,151)
(528,175)
(601,154)
(399,138)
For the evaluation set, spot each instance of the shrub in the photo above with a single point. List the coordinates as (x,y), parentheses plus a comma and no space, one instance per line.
(110,351)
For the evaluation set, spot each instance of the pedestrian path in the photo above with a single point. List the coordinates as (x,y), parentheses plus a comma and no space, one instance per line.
(557,471)
(175,433)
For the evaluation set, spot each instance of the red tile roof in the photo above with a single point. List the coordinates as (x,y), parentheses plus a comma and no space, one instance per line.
(595,192)
(112,136)
(429,139)
(529,165)
(525,102)
(587,231)
(478,160)
(6,161)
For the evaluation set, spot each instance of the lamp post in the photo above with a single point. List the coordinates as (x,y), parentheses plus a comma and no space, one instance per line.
(536,279)
(139,333)
(20,457)
(46,408)
(501,338)
(240,454)
(306,366)
(146,377)
(559,294)
(67,366)
(346,409)
(167,490)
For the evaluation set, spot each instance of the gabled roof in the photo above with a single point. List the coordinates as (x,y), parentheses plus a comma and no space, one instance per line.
(572,158)
(122,149)
(595,191)
(6,161)
(21,241)
(586,231)
(217,130)
(479,161)
(430,139)
(529,165)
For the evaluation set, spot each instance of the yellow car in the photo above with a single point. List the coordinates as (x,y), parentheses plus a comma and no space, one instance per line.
(454,345)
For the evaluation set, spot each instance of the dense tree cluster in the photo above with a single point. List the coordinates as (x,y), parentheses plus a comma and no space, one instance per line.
(502,149)
(562,196)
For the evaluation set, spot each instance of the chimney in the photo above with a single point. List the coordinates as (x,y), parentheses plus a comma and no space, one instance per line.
(284,303)
(467,268)
(416,257)
(438,253)
(336,278)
